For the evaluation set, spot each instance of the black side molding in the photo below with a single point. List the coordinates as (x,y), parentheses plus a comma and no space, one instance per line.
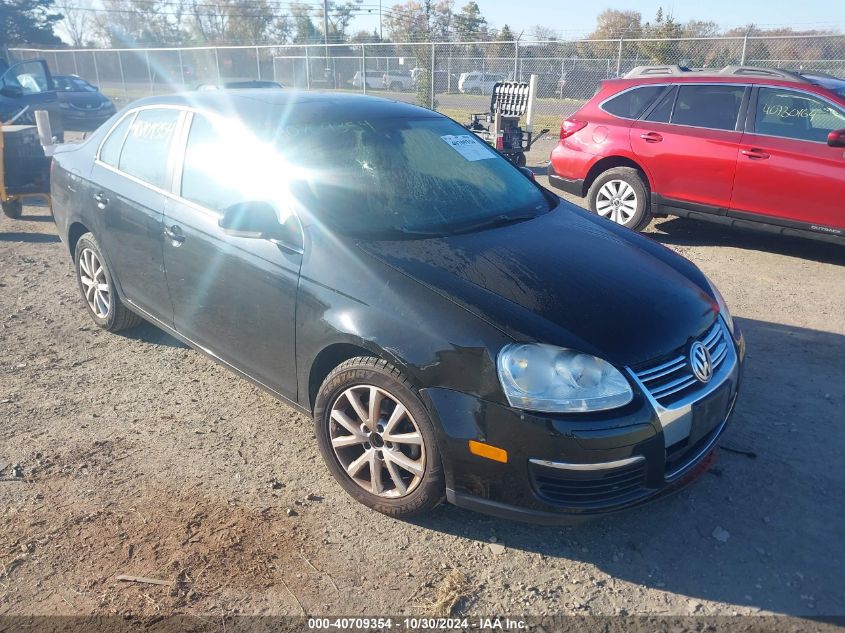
(745,220)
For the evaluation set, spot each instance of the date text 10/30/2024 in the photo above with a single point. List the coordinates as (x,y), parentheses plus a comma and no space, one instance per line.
(418,624)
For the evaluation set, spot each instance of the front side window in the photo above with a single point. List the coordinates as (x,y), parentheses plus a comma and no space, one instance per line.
(147,146)
(796,115)
(211,165)
(29,76)
(712,106)
(632,103)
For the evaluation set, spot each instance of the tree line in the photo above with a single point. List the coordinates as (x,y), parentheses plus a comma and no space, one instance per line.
(131,23)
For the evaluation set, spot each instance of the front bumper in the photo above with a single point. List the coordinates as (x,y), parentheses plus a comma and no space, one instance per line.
(562,469)
(92,116)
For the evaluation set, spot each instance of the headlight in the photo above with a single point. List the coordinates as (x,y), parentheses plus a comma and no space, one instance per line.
(723,307)
(540,377)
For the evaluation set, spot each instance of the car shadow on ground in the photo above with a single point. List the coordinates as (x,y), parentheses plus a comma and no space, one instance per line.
(34,238)
(36,218)
(684,232)
(760,530)
(149,333)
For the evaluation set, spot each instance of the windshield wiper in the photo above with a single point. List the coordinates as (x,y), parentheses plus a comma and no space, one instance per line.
(488,223)
(496,221)
(412,232)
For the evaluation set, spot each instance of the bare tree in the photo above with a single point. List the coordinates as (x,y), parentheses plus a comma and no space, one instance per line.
(77,25)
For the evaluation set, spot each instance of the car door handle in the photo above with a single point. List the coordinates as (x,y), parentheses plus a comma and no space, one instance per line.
(651,137)
(174,234)
(754,154)
(101,199)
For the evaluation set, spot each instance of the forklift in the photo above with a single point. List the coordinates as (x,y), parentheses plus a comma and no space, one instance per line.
(510,101)
(25,155)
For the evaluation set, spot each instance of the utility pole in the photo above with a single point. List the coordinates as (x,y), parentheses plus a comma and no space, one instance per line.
(745,44)
(380,33)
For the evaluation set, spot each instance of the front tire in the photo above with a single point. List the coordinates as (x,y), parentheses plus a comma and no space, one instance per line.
(377,438)
(96,285)
(621,195)
(12,208)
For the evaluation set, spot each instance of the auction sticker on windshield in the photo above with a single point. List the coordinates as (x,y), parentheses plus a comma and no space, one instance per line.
(468,147)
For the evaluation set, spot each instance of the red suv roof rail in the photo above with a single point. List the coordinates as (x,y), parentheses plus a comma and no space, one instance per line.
(731,71)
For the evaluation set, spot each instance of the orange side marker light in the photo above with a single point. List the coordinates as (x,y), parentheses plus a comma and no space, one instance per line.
(490,452)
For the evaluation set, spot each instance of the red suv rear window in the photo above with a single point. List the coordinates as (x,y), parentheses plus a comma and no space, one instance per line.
(630,104)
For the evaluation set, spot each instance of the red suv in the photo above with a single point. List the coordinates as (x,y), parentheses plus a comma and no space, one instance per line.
(742,146)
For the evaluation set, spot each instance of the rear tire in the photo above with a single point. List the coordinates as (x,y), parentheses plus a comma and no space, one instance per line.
(622,196)
(96,285)
(12,208)
(357,440)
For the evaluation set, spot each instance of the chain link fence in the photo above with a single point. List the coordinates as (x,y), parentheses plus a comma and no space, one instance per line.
(453,77)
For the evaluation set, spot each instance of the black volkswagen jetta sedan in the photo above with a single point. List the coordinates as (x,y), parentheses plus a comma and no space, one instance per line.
(455,329)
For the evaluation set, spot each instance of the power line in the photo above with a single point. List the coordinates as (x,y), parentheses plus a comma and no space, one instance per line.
(191,13)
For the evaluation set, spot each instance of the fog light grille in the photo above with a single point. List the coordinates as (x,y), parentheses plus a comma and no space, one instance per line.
(589,489)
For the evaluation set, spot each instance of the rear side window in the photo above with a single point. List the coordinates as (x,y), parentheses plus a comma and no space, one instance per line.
(110,151)
(715,107)
(632,103)
(796,115)
(662,112)
(147,146)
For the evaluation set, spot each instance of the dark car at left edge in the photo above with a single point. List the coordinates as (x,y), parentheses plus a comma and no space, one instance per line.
(455,330)
(83,105)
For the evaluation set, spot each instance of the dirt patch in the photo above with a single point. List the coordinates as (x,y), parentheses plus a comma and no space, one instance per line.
(209,554)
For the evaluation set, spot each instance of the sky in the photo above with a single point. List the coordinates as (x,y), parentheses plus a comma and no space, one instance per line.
(574,19)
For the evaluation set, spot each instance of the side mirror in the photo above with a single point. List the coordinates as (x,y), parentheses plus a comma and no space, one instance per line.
(256,220)
(11,91)
(836,138)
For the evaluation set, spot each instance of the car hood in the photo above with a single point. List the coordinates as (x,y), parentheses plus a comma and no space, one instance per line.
(565,278)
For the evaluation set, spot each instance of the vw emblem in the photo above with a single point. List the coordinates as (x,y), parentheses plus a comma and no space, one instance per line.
(699,360)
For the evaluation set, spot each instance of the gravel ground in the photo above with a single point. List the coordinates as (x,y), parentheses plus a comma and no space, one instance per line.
(132,454)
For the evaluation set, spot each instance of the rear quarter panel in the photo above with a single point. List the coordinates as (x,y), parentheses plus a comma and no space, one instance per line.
(604,136)
(70,185)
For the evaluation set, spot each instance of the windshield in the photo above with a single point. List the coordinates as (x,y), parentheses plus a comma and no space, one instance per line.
(413,177)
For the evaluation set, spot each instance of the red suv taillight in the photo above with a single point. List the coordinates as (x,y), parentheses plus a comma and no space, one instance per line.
(570,126)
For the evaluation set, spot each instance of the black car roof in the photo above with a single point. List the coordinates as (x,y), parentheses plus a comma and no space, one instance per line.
(293,105)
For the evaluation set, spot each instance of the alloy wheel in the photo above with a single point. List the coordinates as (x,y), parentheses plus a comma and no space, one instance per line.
(617,201)
(377,441)
(92,275)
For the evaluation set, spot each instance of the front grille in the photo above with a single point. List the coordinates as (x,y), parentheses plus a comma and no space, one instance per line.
(670,381)
(589,489)
(88,108)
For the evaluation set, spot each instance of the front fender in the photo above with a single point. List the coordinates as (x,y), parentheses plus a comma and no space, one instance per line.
(433,341)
